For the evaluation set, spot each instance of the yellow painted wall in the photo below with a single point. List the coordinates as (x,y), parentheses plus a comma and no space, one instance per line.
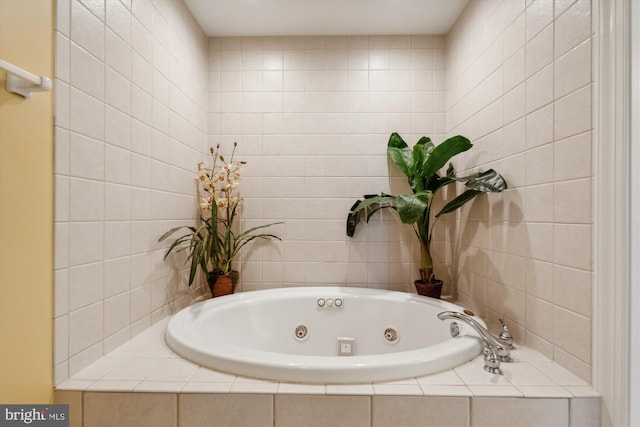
(26,208)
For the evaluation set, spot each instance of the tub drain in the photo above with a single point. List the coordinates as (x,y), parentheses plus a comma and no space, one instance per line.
(301,332)
(391,335)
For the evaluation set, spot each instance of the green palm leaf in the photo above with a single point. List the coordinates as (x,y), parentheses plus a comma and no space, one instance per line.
(400,153)
(442,153)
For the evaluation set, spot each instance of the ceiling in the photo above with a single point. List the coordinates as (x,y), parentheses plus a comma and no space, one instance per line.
(325,17)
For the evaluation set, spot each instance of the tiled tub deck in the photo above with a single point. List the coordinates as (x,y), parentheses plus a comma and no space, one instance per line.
(143,383)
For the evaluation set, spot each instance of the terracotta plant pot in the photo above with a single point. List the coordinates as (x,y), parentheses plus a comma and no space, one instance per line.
(222,284)
(433,290)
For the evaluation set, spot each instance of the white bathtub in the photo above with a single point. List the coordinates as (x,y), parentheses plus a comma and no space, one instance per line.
(259,334)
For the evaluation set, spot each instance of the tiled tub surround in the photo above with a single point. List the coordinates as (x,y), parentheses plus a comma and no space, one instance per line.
(143,383)
(313,116)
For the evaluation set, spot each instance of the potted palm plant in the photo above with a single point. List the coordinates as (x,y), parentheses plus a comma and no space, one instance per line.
(421,165)
(214,241)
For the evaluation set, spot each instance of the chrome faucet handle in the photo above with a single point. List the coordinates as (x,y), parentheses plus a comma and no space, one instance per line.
(491,361)
(505,337)
(501,351)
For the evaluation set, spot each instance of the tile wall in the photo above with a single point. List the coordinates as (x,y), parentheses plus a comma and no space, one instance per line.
(519,83)
(313,116)
(131,102)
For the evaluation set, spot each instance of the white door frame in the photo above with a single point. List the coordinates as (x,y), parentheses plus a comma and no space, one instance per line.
(634,176)
(615,303)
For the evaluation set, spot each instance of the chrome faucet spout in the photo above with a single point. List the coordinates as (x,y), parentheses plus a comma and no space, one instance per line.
(502,350)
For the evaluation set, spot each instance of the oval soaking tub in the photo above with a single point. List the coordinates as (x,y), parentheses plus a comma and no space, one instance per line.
(321,335)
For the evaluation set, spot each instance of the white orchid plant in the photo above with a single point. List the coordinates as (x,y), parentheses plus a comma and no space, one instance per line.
(213,243)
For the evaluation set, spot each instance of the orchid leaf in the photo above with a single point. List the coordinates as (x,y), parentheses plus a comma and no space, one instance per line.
(180,240)
(173,230)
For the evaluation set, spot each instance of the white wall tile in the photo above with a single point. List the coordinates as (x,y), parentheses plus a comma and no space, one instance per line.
(116,313)
(118,94)
(572,27)
(86,72)
(539,51)
(63,17)
(572,289)
(573,201)
(117,276)
(61,343)
(85,242)
(86,200)
(86,114)
(117,54)
(85,327)
(539,14)
(573,113)
(117,239)
(118,18)
(572,333)
(85,285)
(87,30)
(572,245)
(539,89)
(573,70)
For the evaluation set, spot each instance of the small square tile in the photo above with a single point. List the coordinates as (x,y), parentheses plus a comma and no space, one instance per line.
(441,378)
(445,390)
(538,391)
(350,389)
(582,391)
(209,375)
(160,386)
(523,373)
(397,389)
(113,385)
(254,387)
(75,384)
(291,388)
(473,373)
(560,375)
(173,370)
(495,391)
(133,369)
(207,387)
